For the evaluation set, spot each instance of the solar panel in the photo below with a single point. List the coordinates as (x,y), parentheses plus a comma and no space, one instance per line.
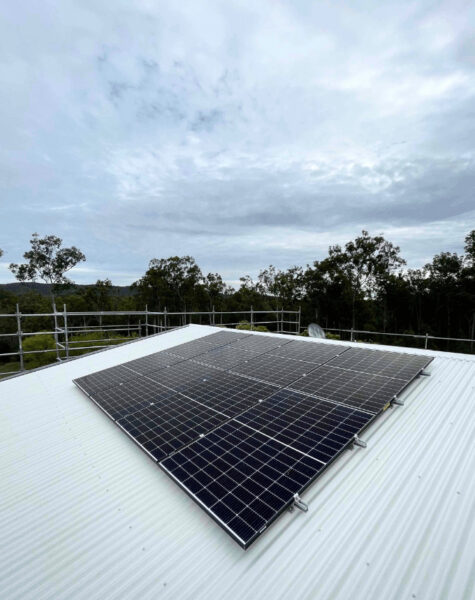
(182,376)
(312,352)
(260,343)
(315,427)
(225,357)
(152,362)
(362,390)
(206,343)
(229,393)
(161,428)
(273,369)
(241,477)
(225,337)
(126,398)
(104,379)
(243,422)
(190,349)
(377,362)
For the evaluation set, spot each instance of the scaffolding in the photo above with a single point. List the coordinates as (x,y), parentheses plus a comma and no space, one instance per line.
(74,333)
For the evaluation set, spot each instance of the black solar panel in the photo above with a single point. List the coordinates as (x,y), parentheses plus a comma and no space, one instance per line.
(183,376)
(312,426)
(190,349)
(243,422)
(261,343)
(229,393)
(104,379)
(377,362)
(162,428)
(131,396)
(362,390)
(273,369)
(312,352)
(225,357)
(241,477)
(152,362)
(225,337)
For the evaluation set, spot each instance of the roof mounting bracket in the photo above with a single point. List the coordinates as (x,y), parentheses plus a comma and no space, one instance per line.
(424,374)
(298,503)
(359,442)
(398,401)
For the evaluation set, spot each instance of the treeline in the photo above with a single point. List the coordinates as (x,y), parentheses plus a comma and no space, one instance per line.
(362,285)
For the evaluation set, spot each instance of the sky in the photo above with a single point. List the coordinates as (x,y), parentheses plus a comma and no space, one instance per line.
(241,133)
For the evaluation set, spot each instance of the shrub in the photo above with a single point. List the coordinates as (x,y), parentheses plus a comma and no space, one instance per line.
(246,326)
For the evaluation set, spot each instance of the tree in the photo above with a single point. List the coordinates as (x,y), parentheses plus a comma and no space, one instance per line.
(47,261)
(364,265)
(215,289)
(98,296)
(172,282)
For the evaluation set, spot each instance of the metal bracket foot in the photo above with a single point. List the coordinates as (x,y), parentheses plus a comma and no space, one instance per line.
(359,442)
(398,402)
(424,374)
(298,503)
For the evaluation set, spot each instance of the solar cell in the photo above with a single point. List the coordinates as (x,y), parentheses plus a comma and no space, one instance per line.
(161,428)
(229,393)
(312,352)
(377,362)
(315,427)
(362,390)
(273,369)
(241,477)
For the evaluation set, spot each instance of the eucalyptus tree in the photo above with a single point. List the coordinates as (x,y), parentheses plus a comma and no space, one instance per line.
(48,261)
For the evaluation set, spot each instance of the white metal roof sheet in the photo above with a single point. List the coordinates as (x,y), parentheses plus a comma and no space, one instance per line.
(85,514)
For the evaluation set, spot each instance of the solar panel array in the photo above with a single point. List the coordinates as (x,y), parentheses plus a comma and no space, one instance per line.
(243,422)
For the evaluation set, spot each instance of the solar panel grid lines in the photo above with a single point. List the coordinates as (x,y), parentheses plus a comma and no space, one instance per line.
(204,344)
(152,362)
(230,393)
(243,478)
(273,369)
(262,343)
(315,427)
(163,428)
(361,390)
(183,376)
(377,362)
(311,352)
(104,379)
(226,357)
(128,397)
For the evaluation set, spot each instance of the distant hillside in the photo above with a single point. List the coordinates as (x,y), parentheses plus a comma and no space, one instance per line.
(18,288)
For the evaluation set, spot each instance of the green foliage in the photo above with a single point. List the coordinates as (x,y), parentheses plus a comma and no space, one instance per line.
(83,341)
(332,336)
(246,326)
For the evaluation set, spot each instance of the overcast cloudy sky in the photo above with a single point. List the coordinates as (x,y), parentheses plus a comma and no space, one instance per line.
(243,133)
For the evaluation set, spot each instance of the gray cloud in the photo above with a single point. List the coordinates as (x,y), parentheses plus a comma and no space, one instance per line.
(244,134)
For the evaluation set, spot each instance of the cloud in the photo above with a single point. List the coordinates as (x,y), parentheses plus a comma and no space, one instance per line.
(243,134)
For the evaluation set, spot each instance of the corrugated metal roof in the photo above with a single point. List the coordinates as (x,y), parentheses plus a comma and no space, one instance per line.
(85,514)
